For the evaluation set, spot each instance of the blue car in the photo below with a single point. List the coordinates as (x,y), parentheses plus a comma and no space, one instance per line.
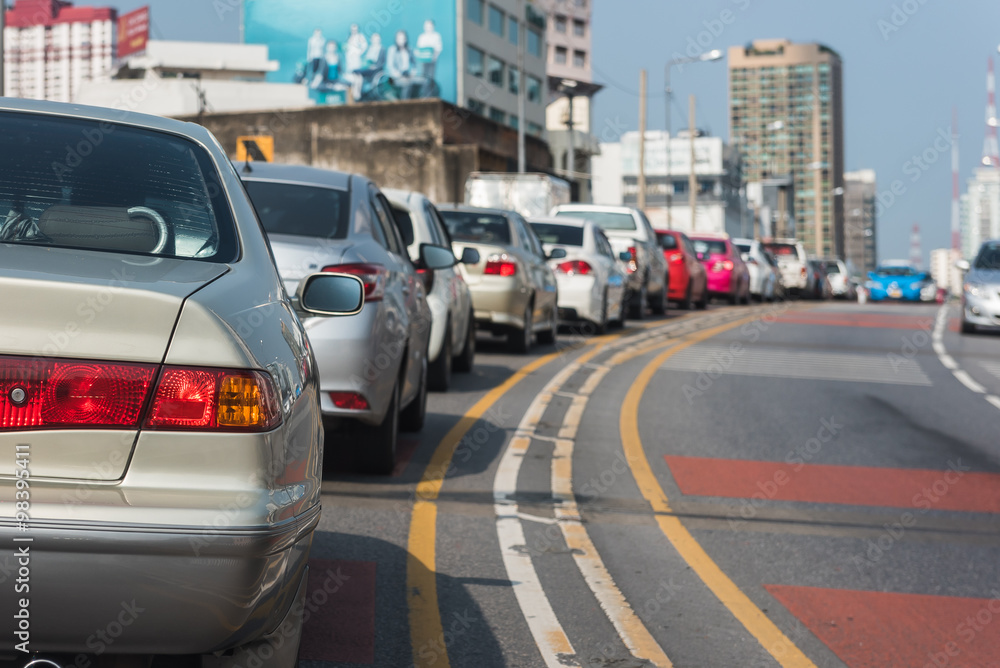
(900,282)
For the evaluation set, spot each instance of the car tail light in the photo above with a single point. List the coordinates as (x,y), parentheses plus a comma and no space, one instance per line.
(374,276)
(676,256)
(500,265)
(804,272)
(633,264)
(574,267)
(349,400)
(426,276)
(215,399)
(723,265)
(45,394)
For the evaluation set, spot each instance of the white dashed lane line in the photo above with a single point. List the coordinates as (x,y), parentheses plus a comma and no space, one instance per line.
(949,362)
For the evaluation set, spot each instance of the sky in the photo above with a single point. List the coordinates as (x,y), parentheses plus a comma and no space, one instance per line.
(906,64)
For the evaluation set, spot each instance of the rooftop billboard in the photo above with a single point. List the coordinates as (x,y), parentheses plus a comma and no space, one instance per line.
(359,51)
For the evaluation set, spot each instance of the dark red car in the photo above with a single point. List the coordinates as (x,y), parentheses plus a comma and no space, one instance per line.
(688,279)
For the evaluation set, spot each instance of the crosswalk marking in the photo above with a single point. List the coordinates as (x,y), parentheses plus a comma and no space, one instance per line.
(715,360)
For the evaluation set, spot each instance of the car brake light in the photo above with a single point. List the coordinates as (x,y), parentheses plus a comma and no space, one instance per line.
(574,267)
(728,265)
(804,272)
(45,394)
(676,256)
(374,276)
(349,400)
(223,399)
(500,265)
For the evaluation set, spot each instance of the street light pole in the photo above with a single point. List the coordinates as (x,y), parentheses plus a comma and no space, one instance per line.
(708,56)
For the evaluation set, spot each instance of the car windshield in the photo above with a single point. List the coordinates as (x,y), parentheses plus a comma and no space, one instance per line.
(989,257)
(779,250)
(300,210)
(667,240)
(896,271)
(484,228)
(76,183)
(712,247)
(604,219)
(564,235)
(832,268)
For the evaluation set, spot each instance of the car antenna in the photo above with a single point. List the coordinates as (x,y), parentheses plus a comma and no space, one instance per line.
(247,169)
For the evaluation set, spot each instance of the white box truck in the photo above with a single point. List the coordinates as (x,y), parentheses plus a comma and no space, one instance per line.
(528,194)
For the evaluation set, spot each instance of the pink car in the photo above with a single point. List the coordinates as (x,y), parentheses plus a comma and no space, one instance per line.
(728,276)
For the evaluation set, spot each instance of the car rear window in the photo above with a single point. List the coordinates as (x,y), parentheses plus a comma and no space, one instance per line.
(483,228)
(77,183)
(564,235)
(782,249)
(832,268)
(711,247)
(604,219)
(667,241)
(300,210)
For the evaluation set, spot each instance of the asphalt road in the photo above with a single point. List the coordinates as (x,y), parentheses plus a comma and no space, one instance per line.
(779,485)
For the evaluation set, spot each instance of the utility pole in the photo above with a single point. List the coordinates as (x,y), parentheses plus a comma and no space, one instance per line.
(642,140)
(692,180)
(521,88)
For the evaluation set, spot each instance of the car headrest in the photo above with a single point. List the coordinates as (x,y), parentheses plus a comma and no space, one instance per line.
(98,227)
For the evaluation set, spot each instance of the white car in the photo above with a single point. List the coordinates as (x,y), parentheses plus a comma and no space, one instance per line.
(763,275)
(792,261)
(592,282)
(453,325)
(840,279)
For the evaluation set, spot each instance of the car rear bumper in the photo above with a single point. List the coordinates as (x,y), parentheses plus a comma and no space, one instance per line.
(576,294)
(720,283)
(151,590)
(499,301)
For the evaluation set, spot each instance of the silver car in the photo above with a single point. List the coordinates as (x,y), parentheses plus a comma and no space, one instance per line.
(158,399)
(373,365)
(453,324)
(981,288)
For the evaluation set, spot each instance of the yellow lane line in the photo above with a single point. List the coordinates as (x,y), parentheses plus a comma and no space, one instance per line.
(739,604)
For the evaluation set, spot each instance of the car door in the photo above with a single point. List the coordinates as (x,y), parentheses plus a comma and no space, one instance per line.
(657,260)
(614,274)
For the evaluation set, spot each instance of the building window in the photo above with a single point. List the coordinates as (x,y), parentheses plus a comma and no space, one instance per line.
(496,21)
(560,23)
(474,62)
(475,11)
(513,31)
(515,81)
(534,43)
(582,4)
(579,28)
(515,122)
(476,106)
(497,115)
(535,129)
(579,59)
(560,57)
(495,69)
(534,92)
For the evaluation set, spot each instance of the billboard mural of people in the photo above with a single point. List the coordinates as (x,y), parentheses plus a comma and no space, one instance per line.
(348,51)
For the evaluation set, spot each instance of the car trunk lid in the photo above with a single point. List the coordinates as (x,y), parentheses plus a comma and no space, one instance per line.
(298,257)
(473,273)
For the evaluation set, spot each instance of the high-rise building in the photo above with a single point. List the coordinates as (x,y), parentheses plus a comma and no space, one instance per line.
(943,270)
(980,210)
(860,230)
(571,88)
(786,116)
(51,48)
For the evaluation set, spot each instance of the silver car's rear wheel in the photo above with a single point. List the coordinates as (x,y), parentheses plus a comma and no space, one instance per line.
(464,362)
(439,379)
(376,446)
(519,340)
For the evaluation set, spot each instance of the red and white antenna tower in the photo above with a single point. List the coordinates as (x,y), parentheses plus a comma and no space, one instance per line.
(991,153)
(916,251)
(956,235)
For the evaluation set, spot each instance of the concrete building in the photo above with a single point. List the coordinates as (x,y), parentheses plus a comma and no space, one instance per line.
(571,89)
(717,168)
(430,146)
(943,269)
(772,207)
(786,116)
(860,222)
(489,79)
(188,78)
(51,48)
(608,186)
(980,210)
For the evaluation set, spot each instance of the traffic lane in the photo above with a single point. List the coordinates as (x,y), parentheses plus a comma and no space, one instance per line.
(977,354)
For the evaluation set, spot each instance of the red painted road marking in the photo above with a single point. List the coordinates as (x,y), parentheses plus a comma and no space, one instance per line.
(341,624)
(876,629)
(879,321)
(405,449)
(919,489)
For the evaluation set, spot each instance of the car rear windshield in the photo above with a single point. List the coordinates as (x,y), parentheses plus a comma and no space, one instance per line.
(480,228)
(604,219)
(832,268)
(99,186)
(300,210)
(563,235)
(782,249)
(896,271)
(709,246)
(989,257)
(667,241)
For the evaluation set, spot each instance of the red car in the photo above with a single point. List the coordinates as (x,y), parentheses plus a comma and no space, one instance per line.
(728,276)
(688,279)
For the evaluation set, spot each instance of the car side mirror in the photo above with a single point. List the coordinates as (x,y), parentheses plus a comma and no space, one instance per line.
(963,265)
(330,295)
(437,257)
(625,256)
(470,256)
(556,254)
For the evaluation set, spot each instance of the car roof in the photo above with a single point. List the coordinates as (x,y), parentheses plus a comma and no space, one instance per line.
(568,221)
(269,171)
(596,207)
(704,236)
(744,241)
(472,209)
